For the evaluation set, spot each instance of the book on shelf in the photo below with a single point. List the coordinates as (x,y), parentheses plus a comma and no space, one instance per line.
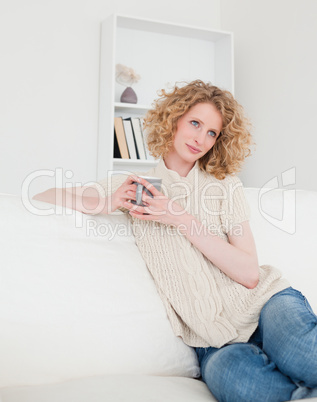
(129,135)
(116,149)
(130,139)
(138,137)
(121,139)
(144,134)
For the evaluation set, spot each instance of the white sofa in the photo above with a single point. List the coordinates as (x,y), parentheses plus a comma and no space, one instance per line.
(80,317)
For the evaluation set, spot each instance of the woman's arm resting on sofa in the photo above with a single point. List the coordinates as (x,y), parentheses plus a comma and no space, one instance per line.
(88,200)
(74,198)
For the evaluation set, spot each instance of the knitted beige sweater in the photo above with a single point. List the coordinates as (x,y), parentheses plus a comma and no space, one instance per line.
(205,307)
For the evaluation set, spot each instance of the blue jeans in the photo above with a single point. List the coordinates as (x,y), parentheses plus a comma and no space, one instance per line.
(278,363)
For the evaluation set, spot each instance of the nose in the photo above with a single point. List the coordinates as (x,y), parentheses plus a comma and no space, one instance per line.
(199,138)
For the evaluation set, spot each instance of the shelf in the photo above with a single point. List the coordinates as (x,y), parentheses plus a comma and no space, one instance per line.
(163,54)
(131,165)
(163,27)
(135,107)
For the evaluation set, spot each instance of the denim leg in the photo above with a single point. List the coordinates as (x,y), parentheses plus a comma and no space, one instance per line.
(289,334)
(241,372)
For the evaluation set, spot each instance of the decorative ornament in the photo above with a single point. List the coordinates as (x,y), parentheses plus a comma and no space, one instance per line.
(126,76)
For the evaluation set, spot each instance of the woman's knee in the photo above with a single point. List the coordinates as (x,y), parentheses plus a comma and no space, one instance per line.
(286,313)
(239,372)
(231,360)
(289,332)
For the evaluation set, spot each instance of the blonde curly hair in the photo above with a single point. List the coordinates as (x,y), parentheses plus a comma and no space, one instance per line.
(233,144)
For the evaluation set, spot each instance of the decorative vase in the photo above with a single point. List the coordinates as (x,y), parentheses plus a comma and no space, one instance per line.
(128,96)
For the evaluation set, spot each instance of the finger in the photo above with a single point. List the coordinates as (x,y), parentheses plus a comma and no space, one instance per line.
(131,194)
(144,217)
(132,178)
(135,213)
(133,207)
(138,213)
(150,187)
(130,205)
(146,199)
(137,208)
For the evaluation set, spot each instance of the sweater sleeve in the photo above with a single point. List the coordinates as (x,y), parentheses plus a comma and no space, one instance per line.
(234,206)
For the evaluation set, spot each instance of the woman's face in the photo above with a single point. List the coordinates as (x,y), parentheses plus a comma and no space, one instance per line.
(196,133)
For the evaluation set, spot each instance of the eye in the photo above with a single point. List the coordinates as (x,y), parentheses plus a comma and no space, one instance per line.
(212,133)
(195,123)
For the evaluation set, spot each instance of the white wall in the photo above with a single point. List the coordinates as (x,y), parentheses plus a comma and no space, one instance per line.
(49,72)
(275,80)
(49,66)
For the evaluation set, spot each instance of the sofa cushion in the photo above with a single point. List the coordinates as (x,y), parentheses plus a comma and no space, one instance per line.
(123,388)
(76,300)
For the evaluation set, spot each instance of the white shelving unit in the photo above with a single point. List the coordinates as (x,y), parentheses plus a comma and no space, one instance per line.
(163,54)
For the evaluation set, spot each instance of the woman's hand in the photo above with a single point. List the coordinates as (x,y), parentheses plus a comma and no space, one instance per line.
(159,208)
(126,192)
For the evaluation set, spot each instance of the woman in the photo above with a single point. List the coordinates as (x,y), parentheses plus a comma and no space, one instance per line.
(255,337)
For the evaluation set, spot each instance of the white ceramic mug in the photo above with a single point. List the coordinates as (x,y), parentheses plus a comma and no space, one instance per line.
(155,181)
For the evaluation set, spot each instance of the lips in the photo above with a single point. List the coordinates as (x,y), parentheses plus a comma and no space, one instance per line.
(193,149)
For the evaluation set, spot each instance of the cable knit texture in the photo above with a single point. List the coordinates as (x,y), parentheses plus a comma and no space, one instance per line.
(205,307)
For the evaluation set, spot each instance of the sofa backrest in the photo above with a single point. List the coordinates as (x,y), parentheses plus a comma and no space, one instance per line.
(283,223)
(76,300)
